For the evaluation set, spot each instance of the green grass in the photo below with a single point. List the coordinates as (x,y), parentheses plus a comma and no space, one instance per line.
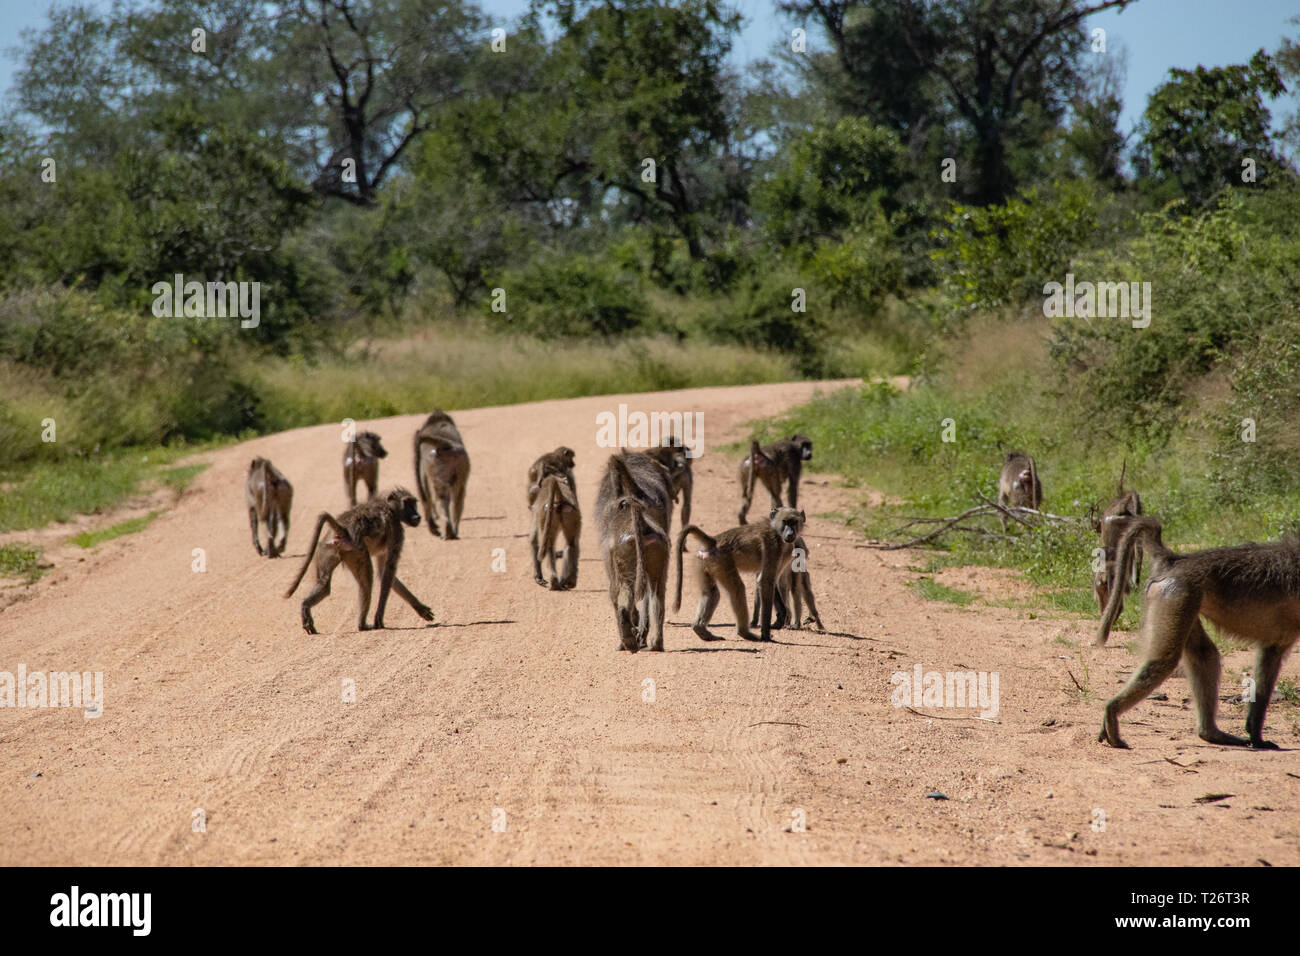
(47,491)
(932,590)
(178,479)
(20,560)
(878,437)
(88,539)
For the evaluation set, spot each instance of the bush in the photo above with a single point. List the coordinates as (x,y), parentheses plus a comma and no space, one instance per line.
(572,296)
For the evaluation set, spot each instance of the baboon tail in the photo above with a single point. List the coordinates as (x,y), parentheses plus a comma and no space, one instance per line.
(754,454)
(419,475)
(1119,489)
(311,550)
(681,543)
(1034,494)
(639,585)
(1144,531)
(626,485)
(548,515)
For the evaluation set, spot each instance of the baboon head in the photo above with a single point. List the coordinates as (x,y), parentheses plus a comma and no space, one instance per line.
(371,446)
(805,446)
(787,522)
(256,463)
(403,504)
(567,453)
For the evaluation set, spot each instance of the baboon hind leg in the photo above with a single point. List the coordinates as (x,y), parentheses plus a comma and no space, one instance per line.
(731,582)
(1268,661)
(1201,658)
(458,506)
(1166,626)
(704,611)
(325,565)
(252,523)
(570,574)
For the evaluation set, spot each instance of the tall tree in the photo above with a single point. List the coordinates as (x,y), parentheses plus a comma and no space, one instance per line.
(997,73)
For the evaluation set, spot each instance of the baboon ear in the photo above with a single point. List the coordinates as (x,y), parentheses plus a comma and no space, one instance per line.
(772,515)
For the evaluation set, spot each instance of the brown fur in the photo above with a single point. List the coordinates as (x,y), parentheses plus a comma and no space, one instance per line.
(633,511)
(558,462)
(1251,591)
(269,498)
(441,472)
(361,463)
(792,589)
(371,530)
(1018,485)
(746,549)
(778,463)
(672,456)
(1128,504)
(555,510)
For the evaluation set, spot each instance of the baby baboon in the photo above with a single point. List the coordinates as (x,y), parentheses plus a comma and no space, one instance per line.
(781,461)
(1128,504)
(1251,591)
(269,497)
(672,455)
(632,511)
(1018,485)
(793,587)
(748,548)
(441,472)
(361,463)
(558,462)
(373,529)
(555,509)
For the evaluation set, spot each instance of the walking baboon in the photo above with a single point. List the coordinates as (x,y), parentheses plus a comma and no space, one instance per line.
(555,509)
(793,587)
(633,508)
(748,548)
(1111,574)
(672,455)
(370,530)
(1251,591)
(361,463)
(441,472)
(558,462)
(1018,485)
(269,497)
(781,461)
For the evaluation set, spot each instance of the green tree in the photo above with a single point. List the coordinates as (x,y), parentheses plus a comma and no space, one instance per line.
(1203,125)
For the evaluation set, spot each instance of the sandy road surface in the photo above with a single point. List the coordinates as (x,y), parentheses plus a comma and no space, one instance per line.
(517,702)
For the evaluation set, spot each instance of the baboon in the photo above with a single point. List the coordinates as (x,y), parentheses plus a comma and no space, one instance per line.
(1128,504)
(633,509)
(269,497)
(1018,485)
(1251,591)
(361,463)
(781,461)
(555,509)
(672,455)
(748,548)
(558,462)
(792,589)
(370,530)
(441,472)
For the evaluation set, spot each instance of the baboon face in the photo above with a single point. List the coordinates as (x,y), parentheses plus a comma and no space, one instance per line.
(787,522)
(371,446)
(805,446)
(569,455)
(403,502)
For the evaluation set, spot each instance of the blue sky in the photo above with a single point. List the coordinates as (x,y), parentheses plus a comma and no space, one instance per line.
(1158,35)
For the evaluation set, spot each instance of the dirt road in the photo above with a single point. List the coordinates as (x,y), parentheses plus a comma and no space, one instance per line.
(516,709)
